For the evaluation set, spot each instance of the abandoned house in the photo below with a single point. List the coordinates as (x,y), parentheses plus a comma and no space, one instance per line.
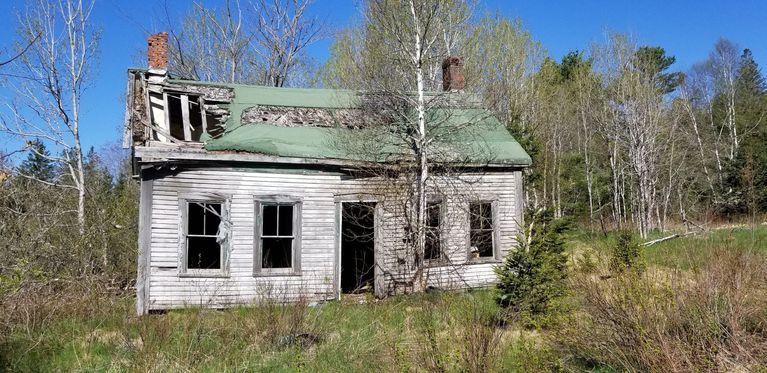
(253,193)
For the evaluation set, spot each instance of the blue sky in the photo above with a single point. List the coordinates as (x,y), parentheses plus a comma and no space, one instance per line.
(687,29)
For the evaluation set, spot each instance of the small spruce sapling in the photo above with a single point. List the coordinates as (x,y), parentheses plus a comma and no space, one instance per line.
(533,275)
(626,254)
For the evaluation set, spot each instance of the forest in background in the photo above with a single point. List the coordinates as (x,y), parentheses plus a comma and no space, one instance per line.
(625,146)
(619,135)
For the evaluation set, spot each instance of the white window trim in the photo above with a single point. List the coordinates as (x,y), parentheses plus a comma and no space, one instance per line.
(496,257)
(258,203)
(183,225)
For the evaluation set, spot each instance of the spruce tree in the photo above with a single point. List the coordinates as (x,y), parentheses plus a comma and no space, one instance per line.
(533,274)
(38,163)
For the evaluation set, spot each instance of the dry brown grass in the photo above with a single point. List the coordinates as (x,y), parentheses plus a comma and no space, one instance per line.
(713,318)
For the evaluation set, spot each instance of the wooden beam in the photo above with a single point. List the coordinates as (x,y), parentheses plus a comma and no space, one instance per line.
(185,116)
(202,115)
(166,111)
(144,246)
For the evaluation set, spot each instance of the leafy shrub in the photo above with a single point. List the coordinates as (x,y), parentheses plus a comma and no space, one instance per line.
(626,254)
(533,275)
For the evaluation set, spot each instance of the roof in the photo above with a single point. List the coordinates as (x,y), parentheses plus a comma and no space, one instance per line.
(467,134)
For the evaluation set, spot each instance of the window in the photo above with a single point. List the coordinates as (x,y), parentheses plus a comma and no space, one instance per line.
(277,236)
(481,229)
(433,249)
(203,248)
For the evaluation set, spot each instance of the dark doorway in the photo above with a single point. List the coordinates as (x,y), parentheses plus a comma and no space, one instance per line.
(357,247)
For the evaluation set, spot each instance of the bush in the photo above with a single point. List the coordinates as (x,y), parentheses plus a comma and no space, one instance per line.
(626,254)
(710,319)
(533,275)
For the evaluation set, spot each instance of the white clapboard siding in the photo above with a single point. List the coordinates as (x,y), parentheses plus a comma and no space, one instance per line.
(319,193)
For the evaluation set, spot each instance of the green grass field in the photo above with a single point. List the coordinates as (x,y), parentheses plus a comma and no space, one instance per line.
(443,331)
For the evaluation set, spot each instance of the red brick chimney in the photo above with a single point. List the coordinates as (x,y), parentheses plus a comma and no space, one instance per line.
(452,74)
(157,51)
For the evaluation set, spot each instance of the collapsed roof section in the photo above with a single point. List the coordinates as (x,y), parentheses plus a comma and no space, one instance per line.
(317,124)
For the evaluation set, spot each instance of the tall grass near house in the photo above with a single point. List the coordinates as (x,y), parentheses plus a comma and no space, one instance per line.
(711,317)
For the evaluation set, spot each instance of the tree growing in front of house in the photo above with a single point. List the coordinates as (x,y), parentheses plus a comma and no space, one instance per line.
(533,275)
(405,47)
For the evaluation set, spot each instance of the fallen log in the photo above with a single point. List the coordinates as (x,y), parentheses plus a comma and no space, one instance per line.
(659,240)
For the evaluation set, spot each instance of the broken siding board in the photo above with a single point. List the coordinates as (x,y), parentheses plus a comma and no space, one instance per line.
(145,247)
(185,118)
(203,117)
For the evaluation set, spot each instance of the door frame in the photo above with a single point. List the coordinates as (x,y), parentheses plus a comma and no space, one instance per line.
(377,271)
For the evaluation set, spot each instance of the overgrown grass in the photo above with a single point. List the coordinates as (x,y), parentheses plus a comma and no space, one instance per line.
(429,332)
(699,293)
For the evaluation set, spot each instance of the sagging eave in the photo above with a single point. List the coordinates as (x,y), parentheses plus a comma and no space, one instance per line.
(161,156)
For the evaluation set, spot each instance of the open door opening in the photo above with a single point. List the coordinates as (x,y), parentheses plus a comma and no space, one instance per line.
(357,247)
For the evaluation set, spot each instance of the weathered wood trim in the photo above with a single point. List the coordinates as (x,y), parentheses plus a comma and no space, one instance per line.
(443,260)
(297,203)
(496,230)
(378,256)
(494,207)
(204,118)
(155,154)
(519,195)
(166,112)
(338,205)
(185,118)
(148,135)
(183,202)
(128,117)
(144,246)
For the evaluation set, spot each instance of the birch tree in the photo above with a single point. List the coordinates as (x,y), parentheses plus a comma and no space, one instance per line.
(48,83)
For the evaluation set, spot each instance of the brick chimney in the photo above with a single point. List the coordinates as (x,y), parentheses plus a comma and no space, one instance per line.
(157,51)
(452,74)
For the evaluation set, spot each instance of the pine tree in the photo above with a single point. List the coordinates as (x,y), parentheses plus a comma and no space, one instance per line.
(38,164)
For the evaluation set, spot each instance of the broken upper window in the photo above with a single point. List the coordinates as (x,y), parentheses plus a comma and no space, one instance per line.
(433,249)
(481,229)
(187,118)
(203,251)
(278,235)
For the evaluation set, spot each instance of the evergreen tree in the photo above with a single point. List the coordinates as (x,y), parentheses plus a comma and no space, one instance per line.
(533,275)
(38,163)
(654,63)
(748,171)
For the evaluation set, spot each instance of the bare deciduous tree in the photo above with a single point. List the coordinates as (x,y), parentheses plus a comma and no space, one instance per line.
(49,81)
(213,45)
(283,31)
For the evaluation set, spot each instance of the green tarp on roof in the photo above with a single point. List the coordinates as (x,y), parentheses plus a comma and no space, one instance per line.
(471,135)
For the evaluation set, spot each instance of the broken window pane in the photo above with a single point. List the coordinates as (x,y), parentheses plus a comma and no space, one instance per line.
(432,248)
(212,219)
(481,228)
(202,249)
(277,252)
(203,253)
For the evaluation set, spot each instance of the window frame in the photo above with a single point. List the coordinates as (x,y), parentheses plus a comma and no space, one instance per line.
(183,270)
(442,259)
(495,232)
(280,200)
